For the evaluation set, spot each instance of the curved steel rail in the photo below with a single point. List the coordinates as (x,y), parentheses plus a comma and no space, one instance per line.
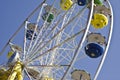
(108,43)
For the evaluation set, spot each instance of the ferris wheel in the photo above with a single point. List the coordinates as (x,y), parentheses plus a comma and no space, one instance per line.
(60,40)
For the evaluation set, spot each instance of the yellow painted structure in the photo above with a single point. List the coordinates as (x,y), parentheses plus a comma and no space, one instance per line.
(13,73)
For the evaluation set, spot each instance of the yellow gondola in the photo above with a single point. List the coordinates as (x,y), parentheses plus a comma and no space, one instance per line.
(10,53)
(66,4)
(99,21)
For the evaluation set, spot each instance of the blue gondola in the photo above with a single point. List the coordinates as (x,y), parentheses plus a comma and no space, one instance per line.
(94,50)
(30,33)
(81,2)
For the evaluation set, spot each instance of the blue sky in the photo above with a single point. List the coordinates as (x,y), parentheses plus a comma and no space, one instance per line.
(13,13)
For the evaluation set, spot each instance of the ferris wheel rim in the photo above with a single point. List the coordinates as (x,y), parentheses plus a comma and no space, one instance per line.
(85,32)
(108,43)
